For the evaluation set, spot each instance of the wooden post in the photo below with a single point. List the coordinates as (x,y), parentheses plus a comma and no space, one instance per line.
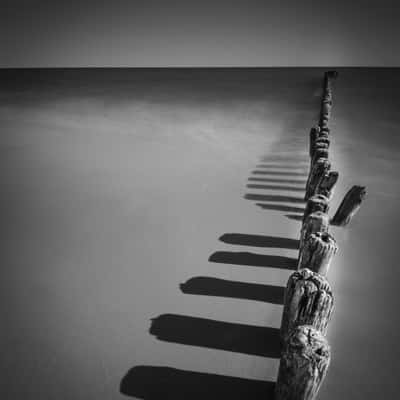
(314,134)
(304,365)
(322,141)
(330,76)
(324,132)
(319,169)
(318,141)
(320,149)
(326,102)
(349,206)
(315,222)
(317,253)
(325,111)
(320,153)
(308,301)
(328,183)
(315,203)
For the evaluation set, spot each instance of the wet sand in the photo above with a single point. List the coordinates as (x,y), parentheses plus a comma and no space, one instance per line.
(150,220)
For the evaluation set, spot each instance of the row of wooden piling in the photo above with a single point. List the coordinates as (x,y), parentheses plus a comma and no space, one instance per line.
(309,300)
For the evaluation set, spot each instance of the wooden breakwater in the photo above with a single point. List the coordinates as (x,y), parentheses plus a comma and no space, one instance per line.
(309,300)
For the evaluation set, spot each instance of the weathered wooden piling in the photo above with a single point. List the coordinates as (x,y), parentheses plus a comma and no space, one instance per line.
(314,134)
(328,183)
(320,152)
(319,140)
(326,101)
(304,364)
(319,169)
(349,206)
(315,222)
(308,301)
(324,132)
(322,141)
(317,253)
(325,111)
(318,202)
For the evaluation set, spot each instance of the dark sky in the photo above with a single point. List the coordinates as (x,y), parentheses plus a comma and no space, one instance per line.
(199,33)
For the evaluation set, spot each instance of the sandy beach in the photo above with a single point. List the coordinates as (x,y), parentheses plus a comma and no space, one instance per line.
(150,221)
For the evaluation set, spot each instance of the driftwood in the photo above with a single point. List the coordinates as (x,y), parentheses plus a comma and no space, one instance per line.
(328,183)
(303,365)
(317,252)
(315,203)
(315,222)
(349,206)
(318,170)
(308,301)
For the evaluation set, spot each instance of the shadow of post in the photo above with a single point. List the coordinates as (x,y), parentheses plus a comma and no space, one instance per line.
(276,187)
(164,383)
(213,334)
(278,180)
(207,286)
(274,197)
(253,260)
(260,241)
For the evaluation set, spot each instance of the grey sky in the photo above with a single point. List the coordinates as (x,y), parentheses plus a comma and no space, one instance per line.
(198,33)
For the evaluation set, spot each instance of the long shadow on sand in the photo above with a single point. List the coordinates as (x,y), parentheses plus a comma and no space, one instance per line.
(278,180)
(279,207)
(285,158)
(164,383)
(277,242)
(297,166)
(274,197)
(295,217)
(253,259)
(212,334)
(276,187)
(283,166)
(279,173)
(207,286)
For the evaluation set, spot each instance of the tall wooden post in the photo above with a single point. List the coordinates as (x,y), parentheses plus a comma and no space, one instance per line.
(304,365)
(308,301)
